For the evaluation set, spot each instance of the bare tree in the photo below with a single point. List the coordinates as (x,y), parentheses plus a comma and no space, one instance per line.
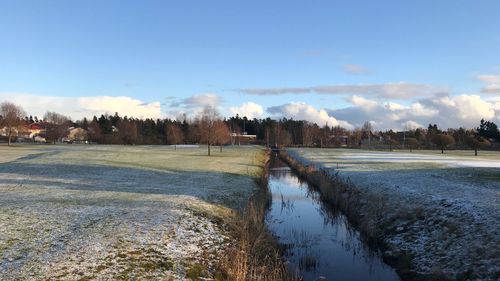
(11,118)
(356,137)
(222,134)
(127,130)
(207,121)
(411,143)
(194,133)
(367,131)
(476,143)
(443,141)
(173,135)
(280,136)
(56,127)
(95,133)
(391,142)
(307,134)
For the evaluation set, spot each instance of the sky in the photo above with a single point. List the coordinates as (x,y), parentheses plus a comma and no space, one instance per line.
(396,64)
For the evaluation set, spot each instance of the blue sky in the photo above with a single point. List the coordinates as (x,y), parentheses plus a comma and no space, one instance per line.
(168,57)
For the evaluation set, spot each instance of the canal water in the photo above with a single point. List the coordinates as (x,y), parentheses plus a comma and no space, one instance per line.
(319,243)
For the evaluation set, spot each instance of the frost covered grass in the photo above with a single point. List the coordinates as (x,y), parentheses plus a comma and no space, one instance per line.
(438,213)
(119,212)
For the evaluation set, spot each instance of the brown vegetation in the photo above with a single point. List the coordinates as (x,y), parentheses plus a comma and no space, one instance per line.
(255,255)
(207,126)
(173,134)
(211,129)
(477,143)
(11,118)
(366,212)
(443,141)
(56,126)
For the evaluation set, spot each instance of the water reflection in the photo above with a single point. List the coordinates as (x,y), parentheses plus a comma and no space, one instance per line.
(319,242)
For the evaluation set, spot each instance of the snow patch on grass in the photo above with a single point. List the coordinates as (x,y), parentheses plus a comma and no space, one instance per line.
(117,212)
(442,209)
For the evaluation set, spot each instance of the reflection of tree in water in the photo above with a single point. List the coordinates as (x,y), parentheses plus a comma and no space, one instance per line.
(310,252)
(308,263)
(302,249)
(352,241)
(286,205)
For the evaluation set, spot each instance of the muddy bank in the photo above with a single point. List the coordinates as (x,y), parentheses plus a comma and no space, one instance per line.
(423,242)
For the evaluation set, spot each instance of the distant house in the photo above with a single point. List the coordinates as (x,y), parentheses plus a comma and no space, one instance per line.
(341,140)
(39,139)
(76,135)
(3,131)
(16,132)
(33,130)
(25,132)
(244,138)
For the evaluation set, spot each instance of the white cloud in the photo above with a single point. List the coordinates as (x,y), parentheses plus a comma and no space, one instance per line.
(419,110)
(392,106)
(492,83)
(362,102)
(123,105)
(472,107)
(411,125)
(446,112)
(249,109)
(492,79)
(355,69)
(303,111)
(199,100)
(193,105)
(79,107)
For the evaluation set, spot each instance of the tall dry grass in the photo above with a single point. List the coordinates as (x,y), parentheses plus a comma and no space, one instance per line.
(341,195)
(255,255)
(370,213)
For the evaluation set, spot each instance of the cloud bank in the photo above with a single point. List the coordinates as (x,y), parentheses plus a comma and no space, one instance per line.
(193,105)
(446,111)
(197,101)
(401,90)
(303,111)
(79,107)
(249,109)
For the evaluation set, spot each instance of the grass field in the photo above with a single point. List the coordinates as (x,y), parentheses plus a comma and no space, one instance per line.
(442,209)
(118,212)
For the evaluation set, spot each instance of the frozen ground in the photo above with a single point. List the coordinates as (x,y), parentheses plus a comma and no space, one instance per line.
(117,212)
(453,199)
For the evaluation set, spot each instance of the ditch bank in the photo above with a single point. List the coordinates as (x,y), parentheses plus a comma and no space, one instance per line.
(254,253)
(420,242)
(319,242)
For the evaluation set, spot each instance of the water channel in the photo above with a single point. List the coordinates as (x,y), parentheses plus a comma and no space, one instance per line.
(320,244)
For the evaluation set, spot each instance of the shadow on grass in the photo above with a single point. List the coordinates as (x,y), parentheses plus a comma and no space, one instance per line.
(230,190)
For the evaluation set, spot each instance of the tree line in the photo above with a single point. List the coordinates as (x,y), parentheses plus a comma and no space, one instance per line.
(208,127)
